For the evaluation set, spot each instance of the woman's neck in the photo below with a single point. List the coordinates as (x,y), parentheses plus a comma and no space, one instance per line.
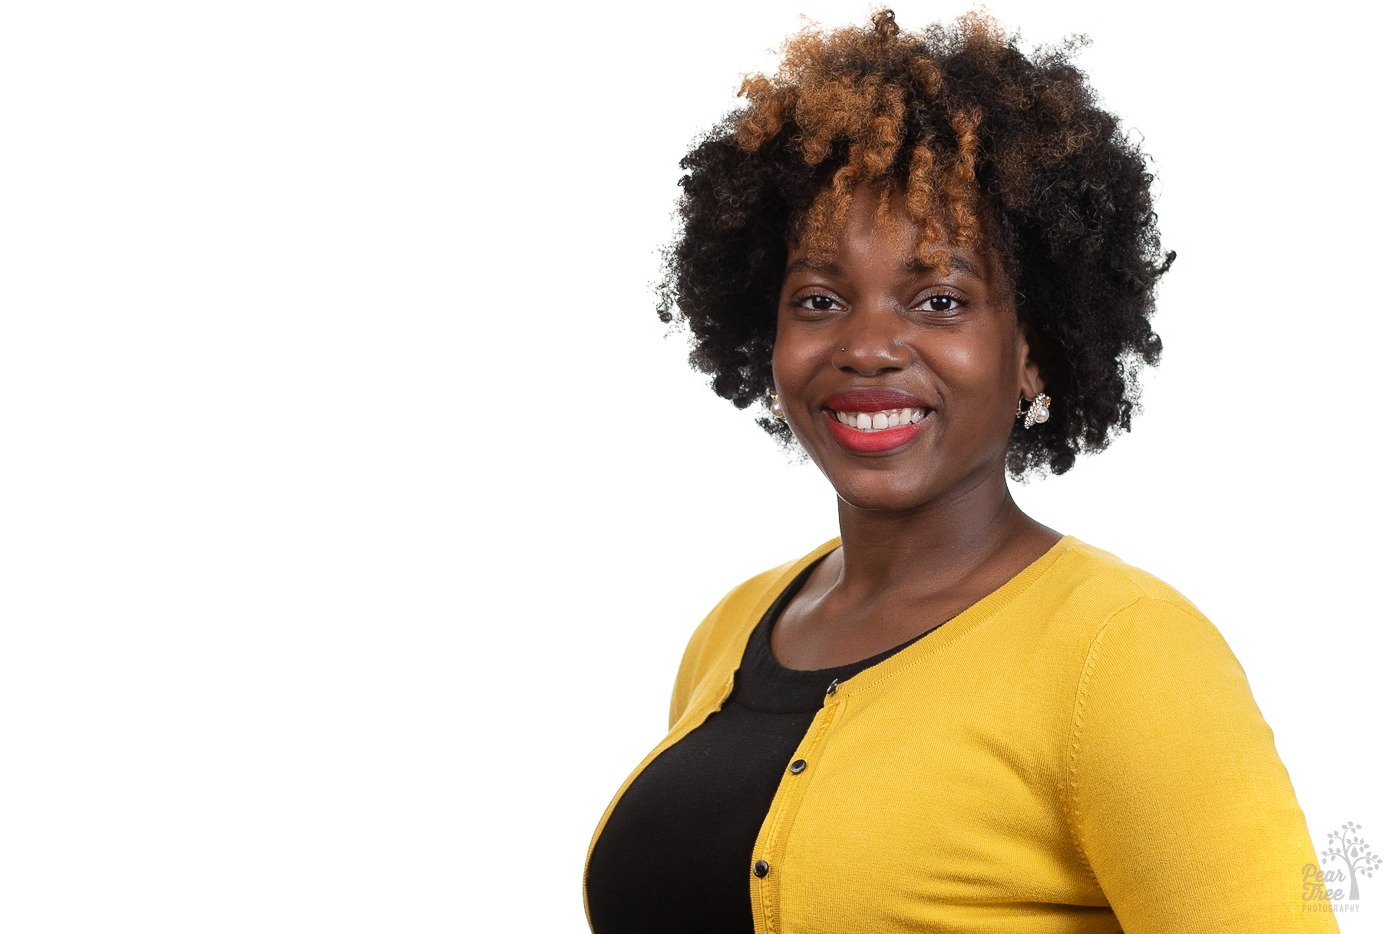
(938,546)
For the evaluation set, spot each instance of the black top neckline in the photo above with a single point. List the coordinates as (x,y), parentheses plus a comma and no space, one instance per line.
(765,685)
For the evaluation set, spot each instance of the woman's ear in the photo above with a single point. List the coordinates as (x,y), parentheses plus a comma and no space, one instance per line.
(1031,383)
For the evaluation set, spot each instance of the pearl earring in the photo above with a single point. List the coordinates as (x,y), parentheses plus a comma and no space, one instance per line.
(1037,414)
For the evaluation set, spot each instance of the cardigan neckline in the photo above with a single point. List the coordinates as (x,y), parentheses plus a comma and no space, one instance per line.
(926,646)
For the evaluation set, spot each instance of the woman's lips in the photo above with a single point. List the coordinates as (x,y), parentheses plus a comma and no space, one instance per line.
(872,421)
(875,432)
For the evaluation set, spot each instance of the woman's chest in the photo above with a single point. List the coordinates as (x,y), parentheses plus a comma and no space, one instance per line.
(919,809)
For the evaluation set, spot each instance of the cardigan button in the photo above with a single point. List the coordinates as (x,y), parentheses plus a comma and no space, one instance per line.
(797,767)
(760,868)
(831,688)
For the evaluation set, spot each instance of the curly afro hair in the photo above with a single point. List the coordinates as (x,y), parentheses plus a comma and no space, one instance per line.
(990,146)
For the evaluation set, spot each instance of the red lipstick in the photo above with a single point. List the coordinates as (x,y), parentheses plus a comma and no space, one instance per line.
(872,400)
(872,442)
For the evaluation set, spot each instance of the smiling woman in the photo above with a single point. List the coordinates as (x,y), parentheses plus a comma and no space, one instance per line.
(934,259)
(874,332)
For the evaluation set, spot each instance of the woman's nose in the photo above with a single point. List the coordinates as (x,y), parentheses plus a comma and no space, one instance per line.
(872,343)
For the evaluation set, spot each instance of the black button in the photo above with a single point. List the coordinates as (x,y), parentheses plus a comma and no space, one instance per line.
(760,868)
(797,766)
(831,688)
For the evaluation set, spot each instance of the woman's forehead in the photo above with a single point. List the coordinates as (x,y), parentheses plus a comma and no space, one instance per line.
(891,235)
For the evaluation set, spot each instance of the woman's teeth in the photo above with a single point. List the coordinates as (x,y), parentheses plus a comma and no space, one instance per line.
(879,421)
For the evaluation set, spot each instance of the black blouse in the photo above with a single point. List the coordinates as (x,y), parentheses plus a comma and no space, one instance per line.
(674,855)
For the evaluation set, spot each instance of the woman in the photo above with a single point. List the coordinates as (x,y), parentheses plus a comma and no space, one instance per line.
(933,258)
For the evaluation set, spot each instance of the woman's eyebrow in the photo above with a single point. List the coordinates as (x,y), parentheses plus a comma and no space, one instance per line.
(824,269)
(955,261)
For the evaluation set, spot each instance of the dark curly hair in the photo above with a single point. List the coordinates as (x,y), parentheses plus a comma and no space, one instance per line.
(990,146)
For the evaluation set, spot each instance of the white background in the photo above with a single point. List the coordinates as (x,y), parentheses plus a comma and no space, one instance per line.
(354,511)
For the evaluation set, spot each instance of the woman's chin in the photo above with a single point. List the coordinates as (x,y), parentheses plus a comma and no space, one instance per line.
(897,491)
(881,497)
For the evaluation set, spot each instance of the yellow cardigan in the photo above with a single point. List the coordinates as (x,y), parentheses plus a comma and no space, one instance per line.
(1078,752)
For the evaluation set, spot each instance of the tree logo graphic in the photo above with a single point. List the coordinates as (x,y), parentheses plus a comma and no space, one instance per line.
(1348,847)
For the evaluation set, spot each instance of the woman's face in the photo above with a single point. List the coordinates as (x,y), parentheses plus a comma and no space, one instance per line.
(901,383)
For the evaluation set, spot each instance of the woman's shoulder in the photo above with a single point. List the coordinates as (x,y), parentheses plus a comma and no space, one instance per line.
(1119,618)
(1085,598)
(718,642)
(1085,574)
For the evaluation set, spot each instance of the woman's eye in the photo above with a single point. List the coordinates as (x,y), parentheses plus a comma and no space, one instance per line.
(939,304)
(817,302)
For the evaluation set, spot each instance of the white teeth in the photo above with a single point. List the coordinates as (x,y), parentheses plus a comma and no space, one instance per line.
(879,421)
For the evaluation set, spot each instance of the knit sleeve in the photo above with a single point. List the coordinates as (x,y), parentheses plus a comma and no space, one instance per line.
(1178,800)
(705,644)
(688,673)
